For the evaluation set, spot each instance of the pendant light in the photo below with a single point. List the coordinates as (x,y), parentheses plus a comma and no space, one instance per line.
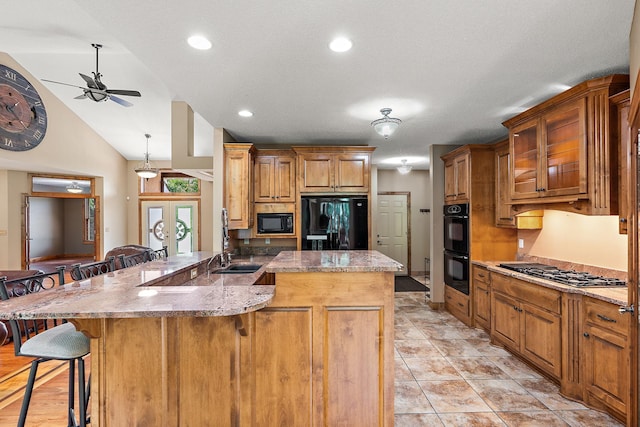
(145,170)
(405,168)
(386,125)
(74,188)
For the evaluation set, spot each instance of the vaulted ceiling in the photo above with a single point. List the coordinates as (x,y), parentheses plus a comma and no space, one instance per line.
(451,70)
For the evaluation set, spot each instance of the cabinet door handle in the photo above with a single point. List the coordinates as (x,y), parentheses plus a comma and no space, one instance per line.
(606,319)
(623,220)
(480,275)
(586,335)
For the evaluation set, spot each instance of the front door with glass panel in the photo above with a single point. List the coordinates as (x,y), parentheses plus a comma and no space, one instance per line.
(173,224)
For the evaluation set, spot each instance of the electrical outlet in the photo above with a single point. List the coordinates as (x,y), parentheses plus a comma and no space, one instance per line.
(246,241)
(521,243)
(267,241)
(194,273)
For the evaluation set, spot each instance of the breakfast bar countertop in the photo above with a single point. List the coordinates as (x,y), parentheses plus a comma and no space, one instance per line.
(349,261)
(145,291)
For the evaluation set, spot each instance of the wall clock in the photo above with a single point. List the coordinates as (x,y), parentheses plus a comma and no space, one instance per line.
(23,118)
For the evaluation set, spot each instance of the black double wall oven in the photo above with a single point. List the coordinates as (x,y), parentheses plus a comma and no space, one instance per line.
(456,247)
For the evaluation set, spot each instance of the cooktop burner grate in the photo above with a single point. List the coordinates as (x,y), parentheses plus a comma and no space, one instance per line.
(567,277)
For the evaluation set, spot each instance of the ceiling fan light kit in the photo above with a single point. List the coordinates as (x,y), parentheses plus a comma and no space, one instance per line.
(386,125)
(146,170)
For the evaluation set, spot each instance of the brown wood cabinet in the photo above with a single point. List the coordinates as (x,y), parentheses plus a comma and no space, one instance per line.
(456,178)
(565,150)
(275,176)
(606,360)
(504,216)
(322,352)
(334,169)
(458,304)
(238,184)
(621,102)
(481,296)
(526,318)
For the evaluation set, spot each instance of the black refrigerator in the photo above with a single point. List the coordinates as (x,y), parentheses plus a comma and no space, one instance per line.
(334,223)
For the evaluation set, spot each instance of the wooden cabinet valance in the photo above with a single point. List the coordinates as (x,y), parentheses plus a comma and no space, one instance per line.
(564,151)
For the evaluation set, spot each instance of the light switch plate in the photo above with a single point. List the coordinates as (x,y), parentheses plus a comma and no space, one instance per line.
(521,243)
(267,241)
(194,273)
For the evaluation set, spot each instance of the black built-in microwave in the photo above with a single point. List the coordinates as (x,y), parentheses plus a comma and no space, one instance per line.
(275,223)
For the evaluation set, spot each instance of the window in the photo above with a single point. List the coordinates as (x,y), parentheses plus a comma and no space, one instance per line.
(169,182)
(89,220)
(58,186)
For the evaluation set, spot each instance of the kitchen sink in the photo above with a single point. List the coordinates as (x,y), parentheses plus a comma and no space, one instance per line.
(239,269)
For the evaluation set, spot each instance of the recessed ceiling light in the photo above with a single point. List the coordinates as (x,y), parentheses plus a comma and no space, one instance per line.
(199,42)
(245,113)
(340,44)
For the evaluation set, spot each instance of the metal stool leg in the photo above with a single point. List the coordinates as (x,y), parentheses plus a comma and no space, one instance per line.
(81,393)
(72,393)
(28,391)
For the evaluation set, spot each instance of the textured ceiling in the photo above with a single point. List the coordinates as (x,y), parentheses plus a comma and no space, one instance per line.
(452,71)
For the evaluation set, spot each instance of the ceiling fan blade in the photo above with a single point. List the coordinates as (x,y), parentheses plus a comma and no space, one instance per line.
(60,83)
(123,92)
(83,96)
(120,101)
(89,80)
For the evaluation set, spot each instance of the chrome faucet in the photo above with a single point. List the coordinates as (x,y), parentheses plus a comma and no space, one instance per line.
(225,257)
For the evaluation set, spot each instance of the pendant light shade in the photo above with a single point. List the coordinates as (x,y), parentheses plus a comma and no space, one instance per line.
(386,125)
(74,188)
(146,170)
(405,168)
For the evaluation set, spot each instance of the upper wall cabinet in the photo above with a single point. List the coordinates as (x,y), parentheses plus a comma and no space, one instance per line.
(275,175)
(238,184)
(621,103)
(334,169)
(564,151)
(504,217)
(456,178)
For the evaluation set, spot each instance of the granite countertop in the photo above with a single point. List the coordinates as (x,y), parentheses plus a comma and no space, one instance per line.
(141,291)
(615,295)
(331,261)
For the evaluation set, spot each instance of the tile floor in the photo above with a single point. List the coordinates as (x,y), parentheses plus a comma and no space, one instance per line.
(448,374)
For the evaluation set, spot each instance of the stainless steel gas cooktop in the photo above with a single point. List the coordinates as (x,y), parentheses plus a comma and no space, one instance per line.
(567,277)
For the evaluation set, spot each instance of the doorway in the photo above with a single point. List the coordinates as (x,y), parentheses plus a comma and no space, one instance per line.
(393,223)
(170,223)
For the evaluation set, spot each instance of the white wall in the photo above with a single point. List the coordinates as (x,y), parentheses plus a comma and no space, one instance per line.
(70,147)
(417,183)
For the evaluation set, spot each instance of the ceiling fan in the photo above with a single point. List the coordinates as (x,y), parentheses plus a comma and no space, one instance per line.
(96,90)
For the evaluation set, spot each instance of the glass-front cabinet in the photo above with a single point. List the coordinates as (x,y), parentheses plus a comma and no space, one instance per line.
(550,154)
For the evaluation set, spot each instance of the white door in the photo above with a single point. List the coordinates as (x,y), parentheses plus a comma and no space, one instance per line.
(173,224)
(392,239)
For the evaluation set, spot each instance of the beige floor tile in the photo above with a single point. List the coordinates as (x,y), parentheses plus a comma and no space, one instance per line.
(533,419)
(514,367)
(549,394)
(484,347)
(411,399)
(453,396)
(506,395)
(402,372)
(416,348)
(588,418)
(417,420)
(408,333)
(432,369)
(477,368)
(455,348)
(475,419)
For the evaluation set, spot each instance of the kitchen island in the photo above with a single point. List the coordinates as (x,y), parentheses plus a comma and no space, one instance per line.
(174,346)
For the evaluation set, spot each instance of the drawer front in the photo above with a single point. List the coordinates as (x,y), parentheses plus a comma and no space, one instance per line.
(548,299)
(481,274)
(606,315)
(456,301)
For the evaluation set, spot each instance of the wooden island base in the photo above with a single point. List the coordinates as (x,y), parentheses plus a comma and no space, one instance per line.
(320,354)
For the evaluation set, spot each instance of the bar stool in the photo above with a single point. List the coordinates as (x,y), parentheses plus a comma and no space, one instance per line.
(60,342)
(85,271)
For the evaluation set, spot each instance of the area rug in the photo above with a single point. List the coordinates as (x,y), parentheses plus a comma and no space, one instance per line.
(408,284)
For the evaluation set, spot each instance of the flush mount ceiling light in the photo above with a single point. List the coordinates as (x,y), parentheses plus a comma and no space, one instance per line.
(74,188)
(199,42)
(340,44)
(405,168)
(145,170)
(245,113)
(386,125)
